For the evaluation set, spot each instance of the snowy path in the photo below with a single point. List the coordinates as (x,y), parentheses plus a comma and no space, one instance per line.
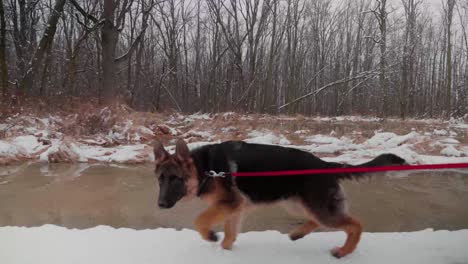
(51,244)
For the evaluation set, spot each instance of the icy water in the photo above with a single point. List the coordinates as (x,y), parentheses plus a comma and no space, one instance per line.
(86,195)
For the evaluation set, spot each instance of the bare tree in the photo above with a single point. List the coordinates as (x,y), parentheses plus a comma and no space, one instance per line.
(3,64)
(380,13)
(37,61)
(448,29)
(325,57)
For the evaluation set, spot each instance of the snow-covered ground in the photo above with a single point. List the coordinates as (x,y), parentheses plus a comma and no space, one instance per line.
(57,245)
(128,140)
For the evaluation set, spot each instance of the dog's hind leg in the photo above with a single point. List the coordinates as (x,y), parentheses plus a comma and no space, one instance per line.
(231,229)
(303,230)
(329,208)
(353,229)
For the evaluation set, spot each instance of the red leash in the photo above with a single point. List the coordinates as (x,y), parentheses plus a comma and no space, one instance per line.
(351,169)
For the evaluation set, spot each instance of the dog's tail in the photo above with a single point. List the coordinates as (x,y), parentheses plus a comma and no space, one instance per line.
(381,160)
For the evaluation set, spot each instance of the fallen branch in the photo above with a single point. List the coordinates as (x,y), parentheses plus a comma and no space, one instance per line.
(361,75)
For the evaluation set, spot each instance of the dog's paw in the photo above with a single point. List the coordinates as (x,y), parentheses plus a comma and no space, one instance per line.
(337,252)
(295,237)
(227,244)
(212,236)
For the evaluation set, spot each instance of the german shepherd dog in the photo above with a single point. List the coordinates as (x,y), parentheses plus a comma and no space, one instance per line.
(319,197)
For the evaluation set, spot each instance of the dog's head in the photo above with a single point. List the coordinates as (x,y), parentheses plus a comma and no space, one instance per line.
(176,173)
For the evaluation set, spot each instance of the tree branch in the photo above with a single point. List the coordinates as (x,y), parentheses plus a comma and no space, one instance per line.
(132,47)
(83,12)
(361,75)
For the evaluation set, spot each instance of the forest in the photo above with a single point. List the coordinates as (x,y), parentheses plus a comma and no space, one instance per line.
(398,58)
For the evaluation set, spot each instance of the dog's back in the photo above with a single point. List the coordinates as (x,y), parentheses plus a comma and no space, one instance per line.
(233,156)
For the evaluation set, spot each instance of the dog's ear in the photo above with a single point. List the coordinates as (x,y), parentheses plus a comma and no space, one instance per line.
(160,154)
(182,151)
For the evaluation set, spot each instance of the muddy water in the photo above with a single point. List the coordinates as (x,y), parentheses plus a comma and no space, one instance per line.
(81,196)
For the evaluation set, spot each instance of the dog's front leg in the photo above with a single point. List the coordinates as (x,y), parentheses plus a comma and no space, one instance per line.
(215,214)
(231,229)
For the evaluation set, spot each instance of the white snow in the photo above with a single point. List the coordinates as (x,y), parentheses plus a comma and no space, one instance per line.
(20,147)
(57,245)
(28,143)
(329,144)
(9,150)
(199,116)
(440,132)
(117,154)
(266,138)
(390,140)
(302,131)
(450,151)
(322,139)
(449,141)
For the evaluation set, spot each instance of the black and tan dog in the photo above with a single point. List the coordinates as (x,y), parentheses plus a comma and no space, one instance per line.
(318,197)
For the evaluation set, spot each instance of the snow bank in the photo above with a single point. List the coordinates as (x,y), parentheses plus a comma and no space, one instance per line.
(20,148)
(329,144)
(128,139)
(57,245)
(451,151)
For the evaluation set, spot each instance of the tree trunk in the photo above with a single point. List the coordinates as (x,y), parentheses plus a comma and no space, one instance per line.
(383,51)
(448,87)
(109,38)
(3,65)
(44,46)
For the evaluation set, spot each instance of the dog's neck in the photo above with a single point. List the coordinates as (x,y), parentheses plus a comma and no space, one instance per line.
(208,158)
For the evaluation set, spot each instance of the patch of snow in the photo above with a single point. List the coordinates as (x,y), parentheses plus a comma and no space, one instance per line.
(246,117)
(266,138)
(461,126)
(449,141)
(348,118)
(8,150)
(228,114)
(145,130)
(328,144)
(321,139)
(202,134)
(440,132)
(200,116)
(228,129)
(57,245)
(302,131)
(390,140)
(119,154)
(451,151)
(429,159)
(29,143)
